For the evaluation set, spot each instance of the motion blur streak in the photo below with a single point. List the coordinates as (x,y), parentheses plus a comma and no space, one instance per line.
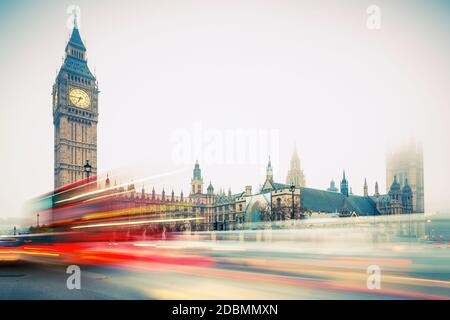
(149,250)
(326,260)
(37,253)
(96,191)
(134,223)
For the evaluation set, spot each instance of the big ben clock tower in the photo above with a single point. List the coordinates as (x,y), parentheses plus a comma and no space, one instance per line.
(75,114)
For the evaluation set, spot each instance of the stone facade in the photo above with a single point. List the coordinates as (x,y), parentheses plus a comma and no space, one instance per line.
(274,201)
(212,210)
(75,115)
(406,163)
(398,201)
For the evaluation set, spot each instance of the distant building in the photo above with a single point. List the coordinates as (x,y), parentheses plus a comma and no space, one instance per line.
(332,201)
(406,164)
(332,187)
(311,200)
(75,117)
(398,201)
(273,202)
(344,185)
(295,174)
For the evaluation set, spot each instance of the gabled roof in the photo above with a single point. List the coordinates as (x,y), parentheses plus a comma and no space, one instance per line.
(326,201)
(319,200)
(363,205)
(269,184)
(278,186)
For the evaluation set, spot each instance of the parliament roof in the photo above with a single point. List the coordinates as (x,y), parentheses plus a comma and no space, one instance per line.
(326,201)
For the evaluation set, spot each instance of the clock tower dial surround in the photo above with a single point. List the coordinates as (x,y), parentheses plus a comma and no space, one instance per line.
(75,115)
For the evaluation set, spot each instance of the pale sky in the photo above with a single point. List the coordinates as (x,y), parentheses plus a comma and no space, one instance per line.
(304,72)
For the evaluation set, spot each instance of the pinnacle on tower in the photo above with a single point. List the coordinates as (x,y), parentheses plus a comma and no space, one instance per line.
(366,190)
(197,173)
(269,171)
(295,173)
(75,37)
(344,185)
(107,182)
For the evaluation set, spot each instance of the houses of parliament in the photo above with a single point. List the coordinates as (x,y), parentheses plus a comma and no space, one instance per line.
(75,118)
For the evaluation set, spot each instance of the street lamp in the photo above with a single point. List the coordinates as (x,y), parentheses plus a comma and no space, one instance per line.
(87,169)
(292,189)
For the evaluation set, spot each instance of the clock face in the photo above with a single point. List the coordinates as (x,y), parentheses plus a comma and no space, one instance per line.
(79,98)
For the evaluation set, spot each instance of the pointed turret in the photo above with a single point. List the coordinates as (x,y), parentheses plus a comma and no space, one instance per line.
(107,182)
(197,180)
(75,37)
(366,189)
(332,187)
(377,193)
(295,173)
(344,185)
(197,173)
(210,189)
(395,190)
(269,171)
(406,188)
(407,197)
(75,61)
